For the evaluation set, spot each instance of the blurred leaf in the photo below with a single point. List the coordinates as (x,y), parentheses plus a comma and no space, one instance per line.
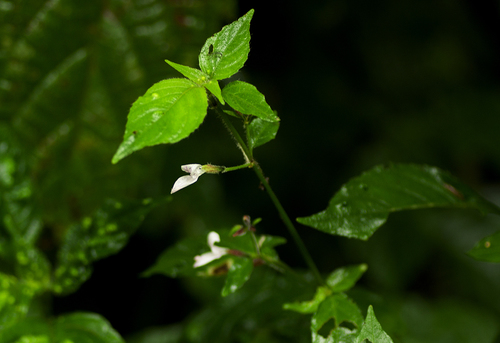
(226,52)
(169,111)
(372,330)
(200,78)
(246,99)
(104,234)
(239,272)
(309,306)
(340,334)
(343,279)
(85,327)
(15,298)
(254,313)
(259,132)
(178,260)
(339,308)
(75,327)
(363,204)
(487,249)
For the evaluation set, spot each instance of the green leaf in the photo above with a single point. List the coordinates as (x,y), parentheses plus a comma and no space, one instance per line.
(227,51)
(239,273)
(85,327)
(104,234)
(338,307)
(178,260)
(169,111)
(345,278)
(74,327)
(309,306)
(372,330)
(15,298)
(487,249)
(246,99)
(363,204)
(340,334)
(200,78)
(259,132)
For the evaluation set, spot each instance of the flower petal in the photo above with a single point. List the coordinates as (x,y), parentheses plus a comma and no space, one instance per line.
(183,182)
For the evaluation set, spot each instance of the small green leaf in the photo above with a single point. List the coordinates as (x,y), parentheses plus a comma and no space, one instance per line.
(340,334)
(15,298)
(199,78)
(104,234)
(487,249)
(340,308)
(363,204)
(372,330)
(309,306)
(169,112)
(85,327)
(239,273)
(178,260)
(246,99)
(227,51)
(259,132)
(345,278)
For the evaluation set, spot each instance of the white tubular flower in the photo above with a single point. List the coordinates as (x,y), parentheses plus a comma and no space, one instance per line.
(194,170)
(215,253)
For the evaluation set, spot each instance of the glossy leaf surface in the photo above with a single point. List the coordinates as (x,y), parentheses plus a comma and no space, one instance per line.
(372,330)
(200,78)
(338,307)
(169,112)
(239,272)
(226,52)
(259,132)
(246,99)
(75,327)
(104,234)
(363,204)
(343,279)
(487,249)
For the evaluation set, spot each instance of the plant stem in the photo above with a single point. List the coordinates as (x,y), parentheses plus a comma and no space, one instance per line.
(288,223)
(246,165)
(284,216)
(247,154)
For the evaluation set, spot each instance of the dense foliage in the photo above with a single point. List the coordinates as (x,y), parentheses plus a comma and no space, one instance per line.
(64,206)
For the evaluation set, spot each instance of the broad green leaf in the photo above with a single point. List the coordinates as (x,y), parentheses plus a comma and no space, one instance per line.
(339,308)
(363,204)
(372,330)
(104,234)
(345,278)
(74,327)
(246,99)
(169,112)
(200,78)
(309,306)
(340,334)
(239,272)
(227,51)
(259,132)
(487,249)
(85,327)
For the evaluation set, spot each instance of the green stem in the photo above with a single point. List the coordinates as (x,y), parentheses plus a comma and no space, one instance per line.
(284,216)
(247,154)
(246,165)
(288,223)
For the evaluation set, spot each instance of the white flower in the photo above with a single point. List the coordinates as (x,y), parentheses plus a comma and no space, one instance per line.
(215,253)
(194,170)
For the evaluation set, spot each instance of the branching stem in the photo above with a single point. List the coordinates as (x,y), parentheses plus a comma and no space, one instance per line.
(247,154)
